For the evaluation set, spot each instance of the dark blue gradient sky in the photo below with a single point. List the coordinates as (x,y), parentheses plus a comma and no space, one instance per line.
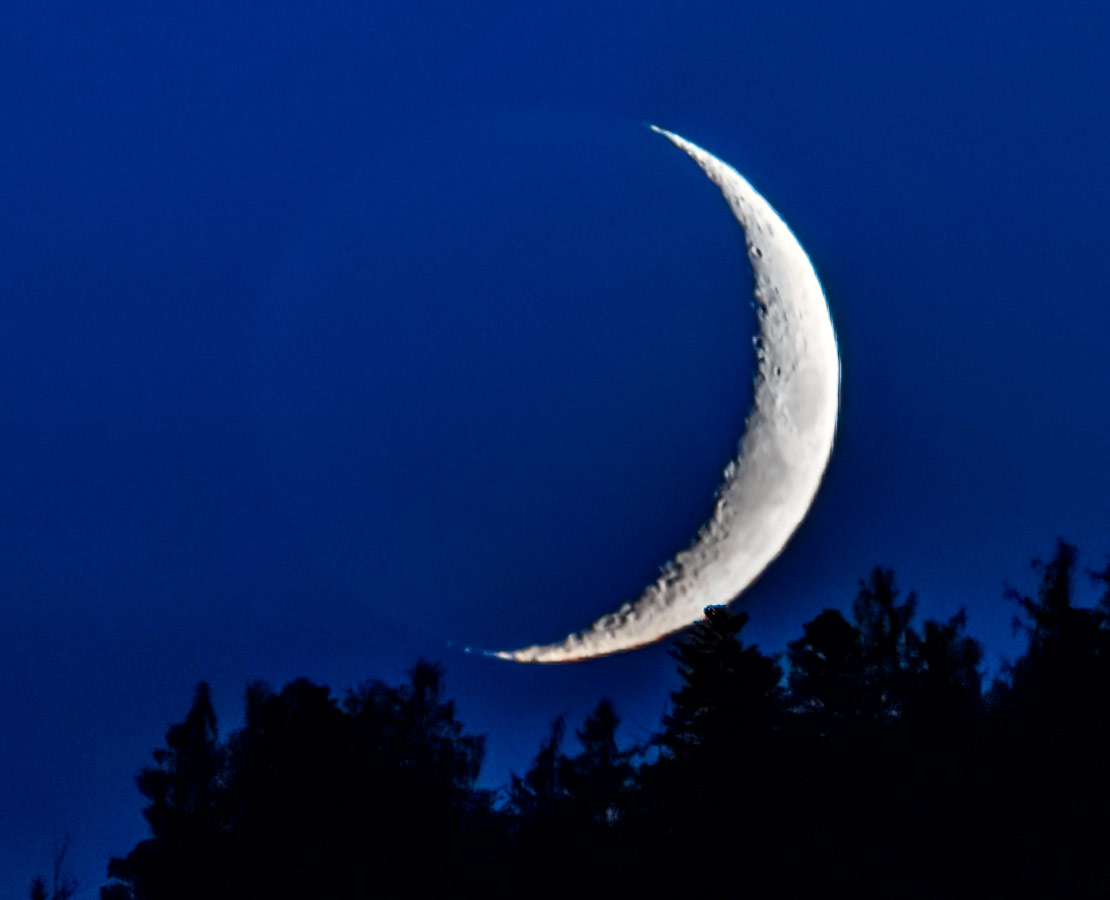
(334,335)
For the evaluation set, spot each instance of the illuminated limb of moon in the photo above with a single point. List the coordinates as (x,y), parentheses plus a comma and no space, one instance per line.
(788,437)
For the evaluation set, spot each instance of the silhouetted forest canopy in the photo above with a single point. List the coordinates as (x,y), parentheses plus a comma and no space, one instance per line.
(870,760)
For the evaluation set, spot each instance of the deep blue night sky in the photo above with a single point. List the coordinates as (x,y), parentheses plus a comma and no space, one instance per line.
(336,335)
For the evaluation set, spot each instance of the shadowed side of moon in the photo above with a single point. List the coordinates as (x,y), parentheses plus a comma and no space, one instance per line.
(463,351)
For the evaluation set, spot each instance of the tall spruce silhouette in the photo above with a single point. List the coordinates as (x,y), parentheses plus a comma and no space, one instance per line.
(730,694)
(187,850)
(598,777)
(540,795)
(566,811)
(710,795)
(1051,732)
(826,674)
(888,645)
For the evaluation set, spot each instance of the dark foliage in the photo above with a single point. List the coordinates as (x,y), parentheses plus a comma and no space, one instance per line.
(873,767)
(312,799)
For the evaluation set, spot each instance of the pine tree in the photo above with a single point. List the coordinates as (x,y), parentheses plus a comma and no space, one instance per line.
(730,696)
(888,644)
(541,794)
(598,777)
(826,674)
(184,857)
(1063,675)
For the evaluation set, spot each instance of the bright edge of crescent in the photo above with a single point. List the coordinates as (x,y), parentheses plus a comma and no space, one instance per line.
(787,440)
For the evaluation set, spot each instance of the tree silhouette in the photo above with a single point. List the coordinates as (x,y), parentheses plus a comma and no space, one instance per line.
(874,770)
(288,792)
(1067,643)
(883,719)
(826,673)
(1059,684)
(717,772)
(183,857)
(888,645)
(417,730)
(598,777)
(565,811)
(312,799)
(540,794)
(417,768)
(730,694)
(1101,577)
(947,683)
(1050,735)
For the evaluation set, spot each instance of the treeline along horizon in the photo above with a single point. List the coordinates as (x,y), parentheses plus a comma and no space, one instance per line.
(870,762)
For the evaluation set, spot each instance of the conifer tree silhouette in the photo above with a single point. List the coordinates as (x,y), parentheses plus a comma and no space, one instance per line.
(730,694)
(826,673)
(598,777)
(186,854)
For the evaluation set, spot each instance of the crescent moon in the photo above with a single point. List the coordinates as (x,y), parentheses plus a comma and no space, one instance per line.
(788,437)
